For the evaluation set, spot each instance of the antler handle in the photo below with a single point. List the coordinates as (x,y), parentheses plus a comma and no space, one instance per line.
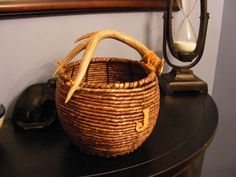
(90,44)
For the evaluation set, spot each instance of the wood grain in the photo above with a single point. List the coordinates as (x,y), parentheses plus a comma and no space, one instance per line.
(24,7)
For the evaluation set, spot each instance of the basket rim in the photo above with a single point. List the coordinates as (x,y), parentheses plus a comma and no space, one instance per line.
(151,76)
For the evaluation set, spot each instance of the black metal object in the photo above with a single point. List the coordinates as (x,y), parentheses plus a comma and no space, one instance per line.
(2,111)
(35,107)
(175,80)
(181,80)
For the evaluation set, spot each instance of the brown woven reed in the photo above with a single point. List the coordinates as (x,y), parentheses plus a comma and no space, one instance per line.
(102,115)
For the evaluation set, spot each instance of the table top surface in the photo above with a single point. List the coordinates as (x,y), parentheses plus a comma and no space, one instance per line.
(185,127)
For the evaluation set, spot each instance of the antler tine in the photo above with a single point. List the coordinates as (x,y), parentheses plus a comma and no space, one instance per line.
(71,55)
(88,35)
(89,51)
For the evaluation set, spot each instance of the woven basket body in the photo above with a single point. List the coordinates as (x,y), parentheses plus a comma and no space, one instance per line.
(102,116)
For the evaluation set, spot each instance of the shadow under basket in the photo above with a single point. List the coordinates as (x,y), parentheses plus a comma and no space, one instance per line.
(114,110)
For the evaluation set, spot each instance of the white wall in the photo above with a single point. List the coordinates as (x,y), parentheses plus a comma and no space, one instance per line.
(30,47)
(221,157)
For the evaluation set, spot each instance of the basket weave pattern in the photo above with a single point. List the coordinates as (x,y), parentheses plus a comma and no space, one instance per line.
(102,115)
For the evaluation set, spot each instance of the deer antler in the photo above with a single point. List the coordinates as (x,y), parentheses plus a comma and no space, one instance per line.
(90,44)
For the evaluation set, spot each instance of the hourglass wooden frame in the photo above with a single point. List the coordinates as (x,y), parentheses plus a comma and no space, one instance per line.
(181,78)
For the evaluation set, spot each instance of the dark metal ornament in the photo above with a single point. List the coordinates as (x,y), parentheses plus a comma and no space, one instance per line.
(181,78)
(35,107)
(2,111)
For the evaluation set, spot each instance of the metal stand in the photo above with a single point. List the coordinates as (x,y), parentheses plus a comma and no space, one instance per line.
(181,80)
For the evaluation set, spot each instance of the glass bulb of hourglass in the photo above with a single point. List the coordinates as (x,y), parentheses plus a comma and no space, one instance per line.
(185,39)
(186,6)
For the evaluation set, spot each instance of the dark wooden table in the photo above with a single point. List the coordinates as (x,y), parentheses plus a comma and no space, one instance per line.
(176,147)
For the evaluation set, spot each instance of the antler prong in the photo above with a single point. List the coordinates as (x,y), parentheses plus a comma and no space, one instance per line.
(88,35)
(71,55)
(90,49)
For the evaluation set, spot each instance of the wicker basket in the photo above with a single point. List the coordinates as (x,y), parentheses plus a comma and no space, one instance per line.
(114,108)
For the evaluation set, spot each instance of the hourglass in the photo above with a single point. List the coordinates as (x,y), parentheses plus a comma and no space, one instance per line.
(185,39)
(185,47)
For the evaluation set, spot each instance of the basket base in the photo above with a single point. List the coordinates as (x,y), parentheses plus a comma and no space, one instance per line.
(104,154)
